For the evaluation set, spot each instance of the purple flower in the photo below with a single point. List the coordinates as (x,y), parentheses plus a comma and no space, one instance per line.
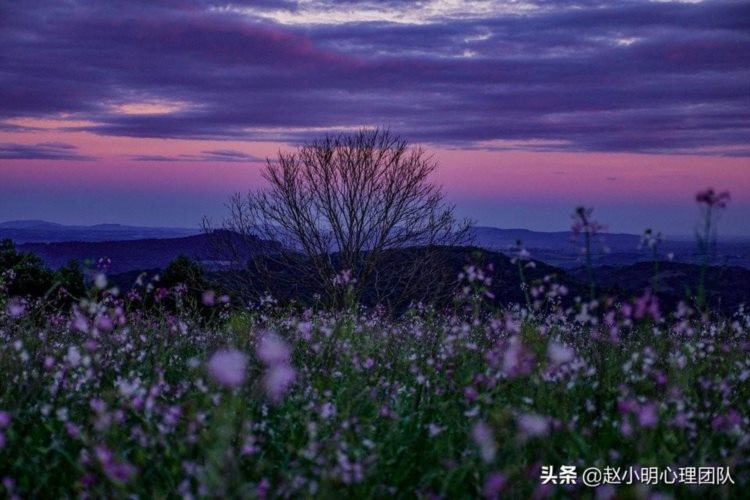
(227,367)
(4,419)
(344,278)
(275,354)
(560,354)
(16,308)
(327,411)
(277,380)
(73,430)
(493,485)
(711,199)
(517,360)
(647,305)
(532,425)
(104,322)
(209,298)
(117,471)
(647,415)
(120,472)
(485,440)
(272,349)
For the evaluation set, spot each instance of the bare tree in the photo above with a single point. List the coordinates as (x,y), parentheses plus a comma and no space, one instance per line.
(358,203)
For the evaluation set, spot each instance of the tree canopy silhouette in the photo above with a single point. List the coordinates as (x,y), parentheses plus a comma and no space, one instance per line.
(347,205)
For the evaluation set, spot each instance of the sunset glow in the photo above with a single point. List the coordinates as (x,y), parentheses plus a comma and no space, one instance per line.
(529,108)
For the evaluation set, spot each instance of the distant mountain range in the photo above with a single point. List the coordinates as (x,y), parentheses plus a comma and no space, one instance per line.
(39,231)
(623,271)
(141,254)
(132,248)
(563,249)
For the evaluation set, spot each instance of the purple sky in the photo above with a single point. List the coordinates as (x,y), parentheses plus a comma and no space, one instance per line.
(155,111)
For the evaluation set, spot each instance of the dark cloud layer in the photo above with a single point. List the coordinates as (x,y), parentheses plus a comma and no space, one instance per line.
(222,155)
(575,75)
(41,151)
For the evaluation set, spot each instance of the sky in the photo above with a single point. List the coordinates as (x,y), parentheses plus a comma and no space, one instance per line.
(154,112)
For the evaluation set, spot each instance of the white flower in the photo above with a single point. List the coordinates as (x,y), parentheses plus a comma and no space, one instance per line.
(100,281)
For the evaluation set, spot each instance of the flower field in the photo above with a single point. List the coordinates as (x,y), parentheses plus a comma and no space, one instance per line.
(115,400)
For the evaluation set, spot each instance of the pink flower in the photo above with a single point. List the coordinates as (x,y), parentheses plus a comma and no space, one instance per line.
(227,367)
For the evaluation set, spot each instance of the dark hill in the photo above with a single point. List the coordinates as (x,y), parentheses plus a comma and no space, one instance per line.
(727,286)
(142,254)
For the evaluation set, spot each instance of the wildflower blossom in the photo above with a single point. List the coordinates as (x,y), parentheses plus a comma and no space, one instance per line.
(16,308)
(485,440)
(532,425)
(227,367)
(711,198)
(434,429)
(559,353)
(493,485)
(100,281)
(279,374)
(208,298)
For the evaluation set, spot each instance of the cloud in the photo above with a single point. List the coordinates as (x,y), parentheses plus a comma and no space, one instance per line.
(41,151)
(221,155)
(635,76)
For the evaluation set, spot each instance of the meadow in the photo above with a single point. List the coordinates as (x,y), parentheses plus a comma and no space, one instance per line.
(203,398)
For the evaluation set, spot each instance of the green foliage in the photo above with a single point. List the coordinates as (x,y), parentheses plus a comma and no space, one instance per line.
(70,279)
(30,277)
(184,271)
